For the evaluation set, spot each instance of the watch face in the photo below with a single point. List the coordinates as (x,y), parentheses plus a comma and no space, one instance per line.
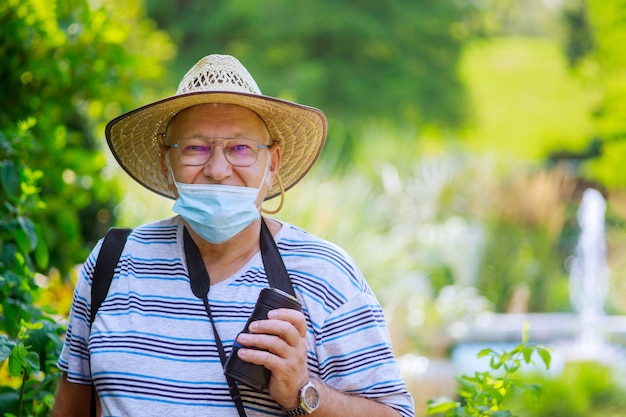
(311,397)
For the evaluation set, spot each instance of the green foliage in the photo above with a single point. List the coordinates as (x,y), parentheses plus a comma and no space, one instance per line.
(399,61)
(27,389)
(61,67)
(35,393)
(20,237)
(603,68)
(526,103)
(484,393)
(67,67)
(582,389)
(395,59)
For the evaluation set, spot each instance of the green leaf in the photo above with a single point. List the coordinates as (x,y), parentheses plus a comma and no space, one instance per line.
(528,353)
(23,243)
(9,178)
(495,362)
(545,355)
(30,230)
(42,255)
(440,405)
(8,255)
(6,347)
(484,352)
(31,361)
(512,366)
(497,396)
(7,399)
(15,363)
(466,382)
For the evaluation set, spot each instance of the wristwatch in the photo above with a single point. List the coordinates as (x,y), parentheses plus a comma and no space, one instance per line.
(309,401)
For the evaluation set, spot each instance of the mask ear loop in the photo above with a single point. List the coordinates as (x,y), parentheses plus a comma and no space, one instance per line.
(282,197)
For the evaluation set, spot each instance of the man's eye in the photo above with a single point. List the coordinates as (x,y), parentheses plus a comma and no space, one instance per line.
(239,148)
(195,149)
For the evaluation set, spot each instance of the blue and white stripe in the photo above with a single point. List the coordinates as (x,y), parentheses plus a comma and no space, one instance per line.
(152,351)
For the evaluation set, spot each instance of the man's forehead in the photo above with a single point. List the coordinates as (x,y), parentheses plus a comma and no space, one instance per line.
(218,109)
(218,114)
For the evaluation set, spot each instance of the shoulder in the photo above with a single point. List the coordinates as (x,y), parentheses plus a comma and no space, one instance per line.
(294,238)
(313,261)
(158,240)
(161,229)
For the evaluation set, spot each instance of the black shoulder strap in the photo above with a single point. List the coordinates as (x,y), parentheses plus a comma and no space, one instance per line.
(274,266)
(200,282)
(108,258)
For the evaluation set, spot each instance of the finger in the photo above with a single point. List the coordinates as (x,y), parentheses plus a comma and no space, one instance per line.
(295,317)
(285,368)
(269,343)
(258,357)
(280,328)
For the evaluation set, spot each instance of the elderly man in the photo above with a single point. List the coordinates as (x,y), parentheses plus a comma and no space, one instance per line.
(185,287)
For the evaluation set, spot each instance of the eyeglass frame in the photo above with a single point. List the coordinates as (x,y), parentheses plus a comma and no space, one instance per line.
(215,141)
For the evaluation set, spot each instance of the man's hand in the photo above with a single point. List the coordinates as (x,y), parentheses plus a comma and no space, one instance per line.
(282,340)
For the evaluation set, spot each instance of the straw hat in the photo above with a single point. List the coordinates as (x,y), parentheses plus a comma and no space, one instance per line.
(135,137)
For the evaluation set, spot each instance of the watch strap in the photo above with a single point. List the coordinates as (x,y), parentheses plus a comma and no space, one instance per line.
(298,411)
(304,409)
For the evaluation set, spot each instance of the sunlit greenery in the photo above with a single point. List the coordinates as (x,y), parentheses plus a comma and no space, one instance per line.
(526,101)
(62,64)
(461,136)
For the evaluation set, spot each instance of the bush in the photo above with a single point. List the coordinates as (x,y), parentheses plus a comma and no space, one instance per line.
(488,393)
(583,389)
(29,338)
(59,61)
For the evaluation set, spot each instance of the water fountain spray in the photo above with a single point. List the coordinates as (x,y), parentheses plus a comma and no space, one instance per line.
(589,274)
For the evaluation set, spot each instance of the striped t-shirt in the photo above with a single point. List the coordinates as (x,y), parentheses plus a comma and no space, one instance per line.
(151,349)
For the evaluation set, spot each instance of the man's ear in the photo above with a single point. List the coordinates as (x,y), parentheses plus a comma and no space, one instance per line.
(274,163)
(166,169)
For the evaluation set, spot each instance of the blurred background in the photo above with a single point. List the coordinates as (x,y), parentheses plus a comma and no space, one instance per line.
(462,138)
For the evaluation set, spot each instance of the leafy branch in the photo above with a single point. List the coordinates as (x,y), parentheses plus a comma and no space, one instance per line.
(23,362)
(484,393)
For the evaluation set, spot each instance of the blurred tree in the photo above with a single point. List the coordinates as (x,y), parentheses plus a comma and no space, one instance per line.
(61,64)
(578,37)
(528,18)
(595,45)
(526,102)
(71,66)
(355,59)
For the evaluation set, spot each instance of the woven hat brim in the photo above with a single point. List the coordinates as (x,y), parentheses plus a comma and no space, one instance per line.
(134,137)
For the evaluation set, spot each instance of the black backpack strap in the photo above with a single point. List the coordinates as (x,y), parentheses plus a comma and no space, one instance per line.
(274,266)
(108,258)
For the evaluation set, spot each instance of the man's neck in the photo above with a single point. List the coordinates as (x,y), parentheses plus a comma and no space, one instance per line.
(222,260)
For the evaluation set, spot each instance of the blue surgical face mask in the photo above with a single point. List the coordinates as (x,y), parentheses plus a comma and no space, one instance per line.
(217,212)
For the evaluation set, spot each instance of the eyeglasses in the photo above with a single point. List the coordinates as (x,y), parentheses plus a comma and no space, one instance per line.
(239,152)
